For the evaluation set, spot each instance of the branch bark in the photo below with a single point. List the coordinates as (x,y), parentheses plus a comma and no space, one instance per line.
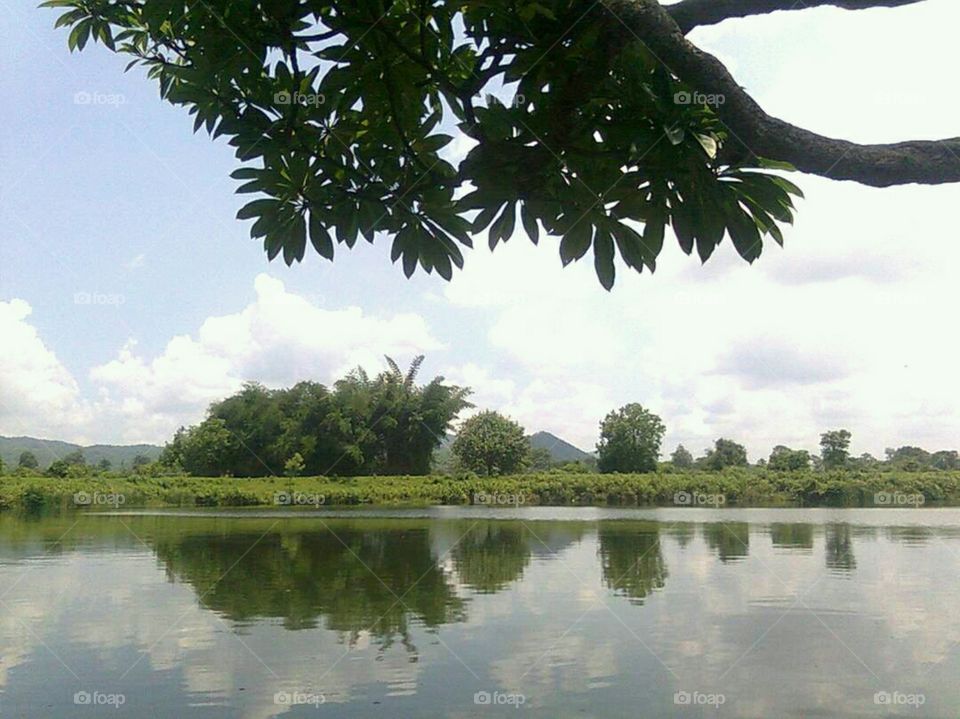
(689,14)
(753,131)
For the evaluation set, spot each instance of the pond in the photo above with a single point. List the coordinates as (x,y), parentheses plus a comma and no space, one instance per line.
(464,612)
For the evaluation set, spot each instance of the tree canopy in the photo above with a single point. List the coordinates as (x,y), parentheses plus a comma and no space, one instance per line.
(835,447)
(28,460)
(384,425)
(630,440)
(726,453)
(784,459)
(489,443)
(609,125)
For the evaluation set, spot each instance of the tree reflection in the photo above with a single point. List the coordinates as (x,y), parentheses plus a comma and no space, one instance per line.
(375,580)
(631,559)
(492,555)
(730,540)
(839,549)
(792,536)
(912,535)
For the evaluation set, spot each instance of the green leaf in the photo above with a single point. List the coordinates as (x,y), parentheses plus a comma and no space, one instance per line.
(320,236)
(684,225)
(257,208)
(530,225)
(483,220)
(576,241)
(603,258)
(743,231)
(675,133)
(296,242)
(502,229)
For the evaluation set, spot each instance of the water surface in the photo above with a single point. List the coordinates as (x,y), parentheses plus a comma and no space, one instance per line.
(472,612)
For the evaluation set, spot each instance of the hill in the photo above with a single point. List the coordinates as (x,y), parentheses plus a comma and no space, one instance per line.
(560,450)
(49,450)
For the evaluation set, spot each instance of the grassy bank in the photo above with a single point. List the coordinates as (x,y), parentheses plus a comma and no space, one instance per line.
(751,487)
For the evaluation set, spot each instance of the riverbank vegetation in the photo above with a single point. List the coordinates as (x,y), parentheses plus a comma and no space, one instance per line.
(386,440)
(731,487)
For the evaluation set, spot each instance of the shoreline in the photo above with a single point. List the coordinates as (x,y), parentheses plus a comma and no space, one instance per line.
(733,488)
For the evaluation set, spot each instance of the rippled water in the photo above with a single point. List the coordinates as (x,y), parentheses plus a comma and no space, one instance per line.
(481,613)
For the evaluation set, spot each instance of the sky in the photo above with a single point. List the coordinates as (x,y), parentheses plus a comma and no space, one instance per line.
(131,297)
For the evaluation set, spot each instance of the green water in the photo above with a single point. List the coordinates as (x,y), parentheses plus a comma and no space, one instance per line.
(463,612)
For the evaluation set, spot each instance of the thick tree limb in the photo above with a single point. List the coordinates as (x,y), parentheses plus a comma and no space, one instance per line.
(754,131)
(694,13)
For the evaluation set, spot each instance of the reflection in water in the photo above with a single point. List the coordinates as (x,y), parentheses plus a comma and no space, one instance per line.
(631,558)
(839,549)
(683,533)
(730,540)
(373,580)
(491,555)
(792,536)
(913,535)
(477,604)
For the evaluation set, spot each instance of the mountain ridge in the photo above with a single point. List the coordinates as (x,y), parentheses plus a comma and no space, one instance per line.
(48,451)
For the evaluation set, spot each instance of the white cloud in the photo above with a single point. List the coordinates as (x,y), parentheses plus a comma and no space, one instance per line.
(37,393)
(278,339)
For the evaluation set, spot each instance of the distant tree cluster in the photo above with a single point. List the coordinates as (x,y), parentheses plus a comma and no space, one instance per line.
(360,426)
(489,443)
(630,440)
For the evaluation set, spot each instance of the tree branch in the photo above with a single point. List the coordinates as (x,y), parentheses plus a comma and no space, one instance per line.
(694,13)
(753,131)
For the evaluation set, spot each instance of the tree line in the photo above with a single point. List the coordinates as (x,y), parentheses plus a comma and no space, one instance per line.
(390,425)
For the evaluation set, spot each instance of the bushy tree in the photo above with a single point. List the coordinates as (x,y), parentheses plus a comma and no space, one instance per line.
(75,457)
(835,448)
(945,459)
(630,440)
(28,460)
(681,458)
(784,459)
(489,443)
(385,425)
(294,466)
(205,450)
(910,459)
(726,453)
(540,459)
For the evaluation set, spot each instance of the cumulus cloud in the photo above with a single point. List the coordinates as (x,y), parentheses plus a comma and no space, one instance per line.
(278,339)
(37,393)
(759,364)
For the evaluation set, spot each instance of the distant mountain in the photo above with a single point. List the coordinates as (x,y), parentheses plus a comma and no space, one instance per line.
(49,450)
(559,449)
